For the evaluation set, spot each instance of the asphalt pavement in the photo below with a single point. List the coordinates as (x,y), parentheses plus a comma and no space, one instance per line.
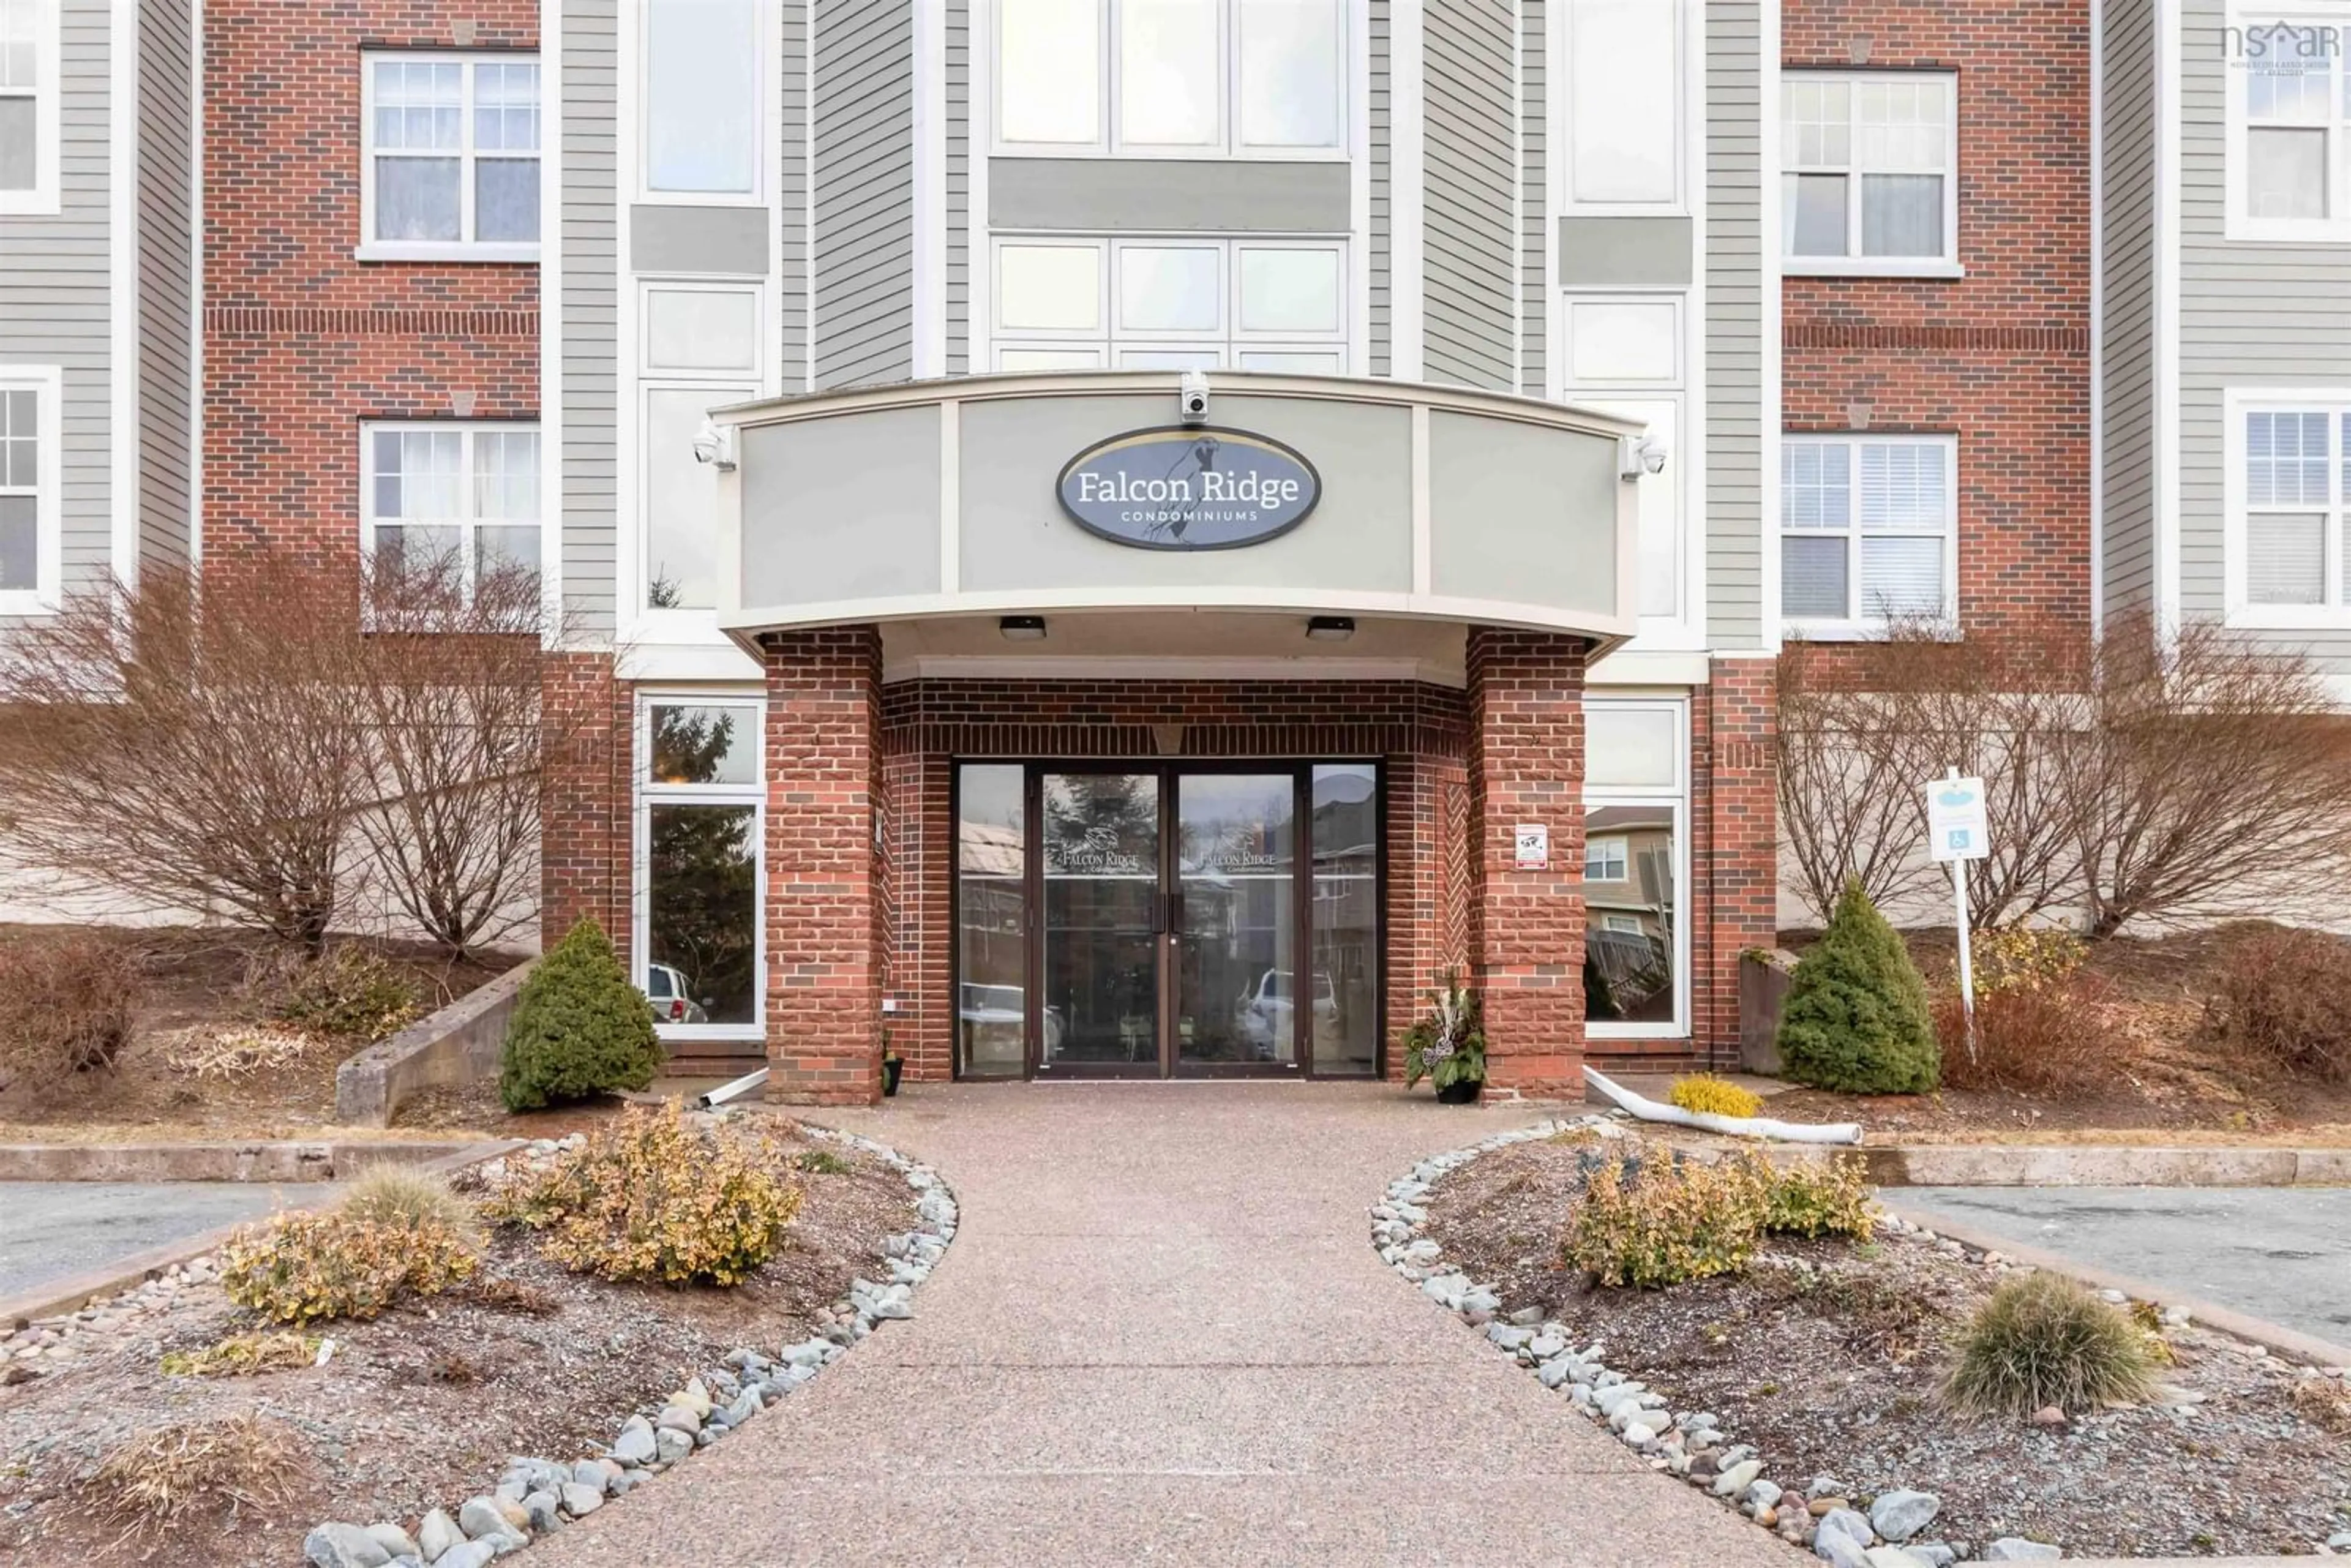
(49,1230)
(2281,1254)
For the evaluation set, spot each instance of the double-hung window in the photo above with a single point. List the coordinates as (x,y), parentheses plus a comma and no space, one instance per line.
(1869,183)
(1868,531)
(700,811)
(1636,855)
(449,501)
(1170,304)
(1172,77)
(28,106)
(451,164)
(29,523)
(2289,108)
(2286,499)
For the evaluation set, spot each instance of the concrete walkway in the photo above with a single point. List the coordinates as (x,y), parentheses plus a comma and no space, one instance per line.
(2282,1254)
(1161,1333)
(52,1229)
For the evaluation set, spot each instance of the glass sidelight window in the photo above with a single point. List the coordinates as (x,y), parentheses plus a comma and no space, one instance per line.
(992,921)
(1344,926)
(699,824)
(1635,826)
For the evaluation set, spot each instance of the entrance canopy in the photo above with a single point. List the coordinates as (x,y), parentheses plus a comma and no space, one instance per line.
(1033,495)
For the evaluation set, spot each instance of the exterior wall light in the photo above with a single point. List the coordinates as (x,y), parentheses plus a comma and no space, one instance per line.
(1021,628)
(714,443)
(1636,457)
(1331,628)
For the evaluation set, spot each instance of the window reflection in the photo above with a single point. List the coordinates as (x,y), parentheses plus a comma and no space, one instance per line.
(1345,923)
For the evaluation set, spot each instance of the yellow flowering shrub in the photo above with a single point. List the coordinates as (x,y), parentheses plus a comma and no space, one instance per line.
(1713,1096)
(650,1196)
(304,1268)
(2024,958)
(1666,1224)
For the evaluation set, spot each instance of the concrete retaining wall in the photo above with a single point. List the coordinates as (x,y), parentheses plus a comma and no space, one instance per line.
(456,1046)
(2071,1165)
(261,1162)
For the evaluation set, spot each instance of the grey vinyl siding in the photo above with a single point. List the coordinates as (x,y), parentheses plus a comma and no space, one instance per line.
(1734,326)
(1534,132)
(1469,246)
(2250,315)
(958,260)
(2128,333)
(589,226)
(1377,219)
(55,295)
(792,197)
(166,298)
(864,213)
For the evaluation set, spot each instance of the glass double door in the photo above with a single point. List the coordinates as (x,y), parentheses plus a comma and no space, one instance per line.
(1164,911)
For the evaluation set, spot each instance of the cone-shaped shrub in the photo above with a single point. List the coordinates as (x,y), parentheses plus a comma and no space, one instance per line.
(579,1028)
(1856,1017)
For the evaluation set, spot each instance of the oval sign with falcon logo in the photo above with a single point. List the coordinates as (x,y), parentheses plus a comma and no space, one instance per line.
(1188,488)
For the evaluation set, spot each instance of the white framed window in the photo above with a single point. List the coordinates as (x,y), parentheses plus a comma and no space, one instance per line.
(700,84)
(1603,859)
(1636,863)
(446,494)
(31,529)
(699,836)
(1161,79)
(699,349)
(1064,303)
(1869,183)
(451,167)
(28,107)
(2285,497)
(2288,92)
(1868,531)
(1624,109)
(1622,353)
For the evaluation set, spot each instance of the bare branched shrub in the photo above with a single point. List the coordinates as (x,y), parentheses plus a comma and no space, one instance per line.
(2054,1038)
(2211,776)
(1848,806)
(449,689)
(68,1005)
(247,745)
(2285,995)
(189,749)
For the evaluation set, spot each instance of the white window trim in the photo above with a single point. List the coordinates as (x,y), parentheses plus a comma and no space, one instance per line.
(665,625)
(43,199)
(1229,146)
(644,793)
(1110,339)
(763,87)
(2240,226)
(2236,403)
(469,520)
(1686,93)
(46,383)
(1948,265)
(1862,627)
(1623,858)
(370,248)
(1676,795)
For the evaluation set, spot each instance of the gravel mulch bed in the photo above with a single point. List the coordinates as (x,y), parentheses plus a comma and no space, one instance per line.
(422,1406)
(1827,1358)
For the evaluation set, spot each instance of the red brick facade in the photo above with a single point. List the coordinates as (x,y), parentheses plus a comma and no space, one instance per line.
(2000,357)
(302,342)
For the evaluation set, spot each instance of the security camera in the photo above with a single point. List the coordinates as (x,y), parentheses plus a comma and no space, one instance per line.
(714,443)
(1192,400)
(1636,457)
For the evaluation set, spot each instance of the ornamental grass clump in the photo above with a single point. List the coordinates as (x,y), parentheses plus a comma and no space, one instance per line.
(304,1268)
(1665,1223)
(2041,1341)
(1857,1018)
(162,1478)
(1712,1096)
(654,1196)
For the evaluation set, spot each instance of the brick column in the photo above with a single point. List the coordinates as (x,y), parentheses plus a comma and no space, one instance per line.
(1737,852)
(583,847)
(1526,926)
(824,907)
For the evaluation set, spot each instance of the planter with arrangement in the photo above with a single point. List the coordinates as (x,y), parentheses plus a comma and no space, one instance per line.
(1447,1045)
